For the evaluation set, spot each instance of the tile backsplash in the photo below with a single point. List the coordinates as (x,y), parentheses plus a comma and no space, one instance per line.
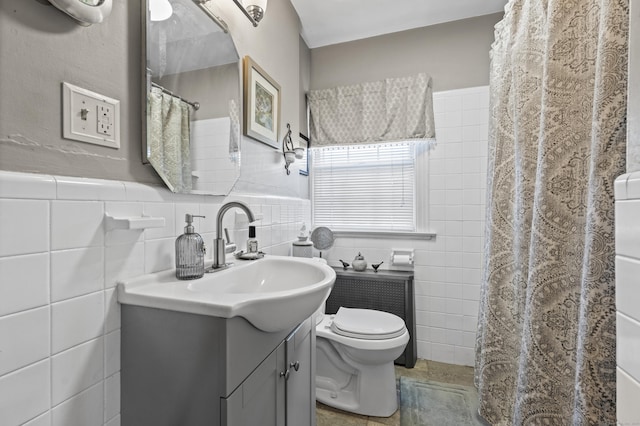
(59,316)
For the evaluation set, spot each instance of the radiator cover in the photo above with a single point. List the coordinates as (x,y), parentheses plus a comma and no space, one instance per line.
(388,291)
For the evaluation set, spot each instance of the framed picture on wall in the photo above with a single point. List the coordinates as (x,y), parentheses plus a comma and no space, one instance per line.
(304,162)
(261,104)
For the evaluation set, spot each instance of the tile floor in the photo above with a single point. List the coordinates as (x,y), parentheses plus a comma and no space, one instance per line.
(424,370)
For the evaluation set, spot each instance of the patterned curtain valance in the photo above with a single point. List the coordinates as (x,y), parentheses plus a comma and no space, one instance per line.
(395,109)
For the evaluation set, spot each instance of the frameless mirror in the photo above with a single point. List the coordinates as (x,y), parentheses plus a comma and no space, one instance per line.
(192,97)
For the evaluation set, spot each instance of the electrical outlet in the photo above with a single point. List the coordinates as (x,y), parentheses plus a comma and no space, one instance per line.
(105,120)
(90,117)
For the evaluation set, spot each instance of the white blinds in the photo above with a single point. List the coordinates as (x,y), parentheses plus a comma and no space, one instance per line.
(365,187)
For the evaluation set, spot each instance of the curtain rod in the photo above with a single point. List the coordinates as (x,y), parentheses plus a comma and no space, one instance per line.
(194,105)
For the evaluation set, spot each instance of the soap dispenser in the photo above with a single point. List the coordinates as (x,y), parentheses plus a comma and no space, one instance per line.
(189,252)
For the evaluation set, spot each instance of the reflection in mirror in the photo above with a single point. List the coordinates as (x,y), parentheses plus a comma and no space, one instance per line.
(192,98)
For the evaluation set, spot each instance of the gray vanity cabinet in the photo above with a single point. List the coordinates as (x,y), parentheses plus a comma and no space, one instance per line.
(300,360)
(260,399)
(195,370)
(278,392)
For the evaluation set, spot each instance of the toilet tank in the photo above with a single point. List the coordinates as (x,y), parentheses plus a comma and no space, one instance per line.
(388,291)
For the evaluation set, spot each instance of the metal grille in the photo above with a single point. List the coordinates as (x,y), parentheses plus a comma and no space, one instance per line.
(368,294)
(386,294)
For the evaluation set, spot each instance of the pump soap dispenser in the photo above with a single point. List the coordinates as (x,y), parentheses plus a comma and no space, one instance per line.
(189,252)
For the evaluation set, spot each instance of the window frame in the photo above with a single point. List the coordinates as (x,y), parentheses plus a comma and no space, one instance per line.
(420,204)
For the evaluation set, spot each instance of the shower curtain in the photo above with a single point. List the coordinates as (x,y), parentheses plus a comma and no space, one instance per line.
(169,131)
(545,351)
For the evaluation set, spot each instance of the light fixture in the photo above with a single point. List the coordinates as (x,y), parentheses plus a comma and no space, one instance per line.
(254,10)
(287,150)
(160,10)
(85,12)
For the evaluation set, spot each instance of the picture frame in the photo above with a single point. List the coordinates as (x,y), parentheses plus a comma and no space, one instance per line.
(261,104)
(304,143)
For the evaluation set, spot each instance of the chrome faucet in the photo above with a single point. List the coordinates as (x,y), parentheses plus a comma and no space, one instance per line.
(219,245)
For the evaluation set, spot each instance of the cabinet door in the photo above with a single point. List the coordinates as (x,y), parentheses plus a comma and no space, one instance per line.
(300,391)
(260,399)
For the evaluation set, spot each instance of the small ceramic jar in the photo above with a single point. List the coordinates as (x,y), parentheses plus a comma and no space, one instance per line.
(359,264)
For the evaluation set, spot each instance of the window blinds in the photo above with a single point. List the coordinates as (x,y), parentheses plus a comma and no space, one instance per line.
(365,187)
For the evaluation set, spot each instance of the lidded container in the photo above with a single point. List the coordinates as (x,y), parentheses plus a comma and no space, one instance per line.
(302,249)
(359,264)
(190,251)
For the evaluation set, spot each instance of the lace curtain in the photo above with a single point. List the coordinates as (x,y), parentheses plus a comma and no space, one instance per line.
(169,128)
(546,350)
(395,109)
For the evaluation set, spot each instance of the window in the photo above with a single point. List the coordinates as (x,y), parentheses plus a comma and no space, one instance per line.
(367,187)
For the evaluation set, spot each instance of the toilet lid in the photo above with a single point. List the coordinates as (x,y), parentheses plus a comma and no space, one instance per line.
(367,324)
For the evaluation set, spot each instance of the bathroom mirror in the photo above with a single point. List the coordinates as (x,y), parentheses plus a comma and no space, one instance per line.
(191,97)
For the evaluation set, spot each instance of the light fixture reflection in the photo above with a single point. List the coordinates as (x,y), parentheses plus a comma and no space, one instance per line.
(256,8)
(252,9)
(160,10)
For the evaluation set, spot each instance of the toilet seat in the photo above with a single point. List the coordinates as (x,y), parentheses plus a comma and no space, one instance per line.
(367,324)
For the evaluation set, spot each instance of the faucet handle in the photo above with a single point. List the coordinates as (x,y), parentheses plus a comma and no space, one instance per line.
(229,246)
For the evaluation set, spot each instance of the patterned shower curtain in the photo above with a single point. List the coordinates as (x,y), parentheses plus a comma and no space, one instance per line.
(168,132)
(546,350)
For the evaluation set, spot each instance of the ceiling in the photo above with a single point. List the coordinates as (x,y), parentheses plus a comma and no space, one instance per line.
(326,22)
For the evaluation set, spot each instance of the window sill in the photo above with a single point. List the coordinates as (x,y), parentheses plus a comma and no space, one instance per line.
(386,235)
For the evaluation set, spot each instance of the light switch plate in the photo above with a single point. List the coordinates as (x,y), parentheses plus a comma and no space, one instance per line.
(90,117)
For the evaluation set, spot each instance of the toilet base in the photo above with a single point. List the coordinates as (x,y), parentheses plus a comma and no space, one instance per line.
(370,391)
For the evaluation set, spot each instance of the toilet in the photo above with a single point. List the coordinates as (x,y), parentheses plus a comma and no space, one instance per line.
(355,351)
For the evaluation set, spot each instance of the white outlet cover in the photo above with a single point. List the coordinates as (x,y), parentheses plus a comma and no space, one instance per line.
(84,120)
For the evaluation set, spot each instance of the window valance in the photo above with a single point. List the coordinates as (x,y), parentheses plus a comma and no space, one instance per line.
(395,109)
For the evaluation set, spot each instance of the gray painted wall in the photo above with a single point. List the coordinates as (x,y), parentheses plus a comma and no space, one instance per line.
(305,83)
(40,47)
(455,54)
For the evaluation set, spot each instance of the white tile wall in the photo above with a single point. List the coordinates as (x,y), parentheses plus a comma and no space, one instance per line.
(32,273)
(59,316)
(24,226)
(24,337)
(25,393)
(628,297)
(210,154)
(447,269)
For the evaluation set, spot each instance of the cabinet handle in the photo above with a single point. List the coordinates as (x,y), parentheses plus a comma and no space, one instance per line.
(285,374)
(295,365)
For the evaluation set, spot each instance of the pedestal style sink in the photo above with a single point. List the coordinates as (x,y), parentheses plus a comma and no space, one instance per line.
(273,293)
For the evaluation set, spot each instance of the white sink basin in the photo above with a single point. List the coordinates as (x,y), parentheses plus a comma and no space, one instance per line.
(274,293)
